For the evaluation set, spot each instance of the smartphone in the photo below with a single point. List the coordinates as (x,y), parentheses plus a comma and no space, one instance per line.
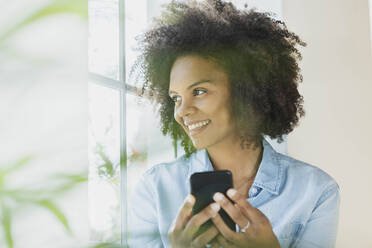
(203,186)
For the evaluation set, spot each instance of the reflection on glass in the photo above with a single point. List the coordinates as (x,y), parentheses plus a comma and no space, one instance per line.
(104,38)
(104,164)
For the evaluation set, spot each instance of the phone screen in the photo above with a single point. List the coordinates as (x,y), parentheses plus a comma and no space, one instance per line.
(203,186)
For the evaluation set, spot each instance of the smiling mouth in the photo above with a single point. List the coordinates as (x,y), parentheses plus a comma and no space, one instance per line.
(198,127)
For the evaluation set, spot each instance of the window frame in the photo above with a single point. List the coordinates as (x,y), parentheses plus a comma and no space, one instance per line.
(120,86)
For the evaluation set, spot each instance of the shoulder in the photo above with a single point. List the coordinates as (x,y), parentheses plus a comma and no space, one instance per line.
(305,175)
(159,177)
(168,170)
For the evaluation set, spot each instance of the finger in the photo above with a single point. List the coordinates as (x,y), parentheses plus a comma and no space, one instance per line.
(205,237)
(224,229)
(223,242)
(215,244)
(252,213)
(200,218)
(185,213)
(234,212)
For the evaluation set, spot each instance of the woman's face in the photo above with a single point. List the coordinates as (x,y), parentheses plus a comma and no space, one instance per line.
(201,92)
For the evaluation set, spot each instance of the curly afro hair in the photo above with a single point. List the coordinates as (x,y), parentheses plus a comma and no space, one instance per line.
(257,52)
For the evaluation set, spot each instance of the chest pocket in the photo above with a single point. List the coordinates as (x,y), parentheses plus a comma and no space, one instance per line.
(288,233)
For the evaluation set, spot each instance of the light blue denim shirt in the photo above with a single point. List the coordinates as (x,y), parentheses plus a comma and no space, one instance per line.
(300,200)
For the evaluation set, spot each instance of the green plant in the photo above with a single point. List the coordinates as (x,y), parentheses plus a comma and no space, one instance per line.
(43,196)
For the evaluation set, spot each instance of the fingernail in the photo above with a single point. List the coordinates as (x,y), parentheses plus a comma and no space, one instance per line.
(190,199)
(231,192)
(218,196)
(215,207)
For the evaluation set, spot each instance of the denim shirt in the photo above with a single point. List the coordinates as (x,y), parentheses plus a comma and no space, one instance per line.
(300,200)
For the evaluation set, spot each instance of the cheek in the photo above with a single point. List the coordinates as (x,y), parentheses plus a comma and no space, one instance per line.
(225,116)
(177,118)
(222,110)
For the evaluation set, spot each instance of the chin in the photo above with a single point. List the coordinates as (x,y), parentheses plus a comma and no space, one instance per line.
(199,145)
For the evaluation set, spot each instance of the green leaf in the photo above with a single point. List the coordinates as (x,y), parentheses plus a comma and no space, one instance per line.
(77,178)
(15,166)
(30,194)
(70,182)
(24,195)
(78,7)
(107,245)
(48,204)
(6,222)
(18,164)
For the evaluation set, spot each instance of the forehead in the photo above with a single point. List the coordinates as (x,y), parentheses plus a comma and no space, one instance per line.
(192,68)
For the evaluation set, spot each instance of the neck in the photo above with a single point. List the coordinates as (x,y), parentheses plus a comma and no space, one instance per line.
(242,161)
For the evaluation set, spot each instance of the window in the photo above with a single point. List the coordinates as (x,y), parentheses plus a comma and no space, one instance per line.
(106,123)
(122,126)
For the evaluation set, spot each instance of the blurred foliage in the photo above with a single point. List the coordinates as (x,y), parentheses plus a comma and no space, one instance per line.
(109,171)
(106,169)
(138,155)
(107,245)
(43,196)
(76,7)
(13,200)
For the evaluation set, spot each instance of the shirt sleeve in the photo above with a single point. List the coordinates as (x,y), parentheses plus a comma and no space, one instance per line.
(321,229)
(142,217)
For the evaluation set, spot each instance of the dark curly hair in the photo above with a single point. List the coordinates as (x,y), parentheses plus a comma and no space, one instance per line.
(257,52)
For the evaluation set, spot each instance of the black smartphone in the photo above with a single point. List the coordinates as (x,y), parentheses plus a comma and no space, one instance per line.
(203,186)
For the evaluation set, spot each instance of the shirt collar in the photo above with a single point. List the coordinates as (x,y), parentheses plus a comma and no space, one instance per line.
(269,174)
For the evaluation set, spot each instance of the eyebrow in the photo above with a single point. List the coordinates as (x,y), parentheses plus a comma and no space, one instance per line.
(195,84)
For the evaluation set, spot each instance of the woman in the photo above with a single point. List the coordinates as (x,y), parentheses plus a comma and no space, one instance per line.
(224,78)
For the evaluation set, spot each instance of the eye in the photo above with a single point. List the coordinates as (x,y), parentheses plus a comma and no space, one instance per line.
(199,92)
(175,98)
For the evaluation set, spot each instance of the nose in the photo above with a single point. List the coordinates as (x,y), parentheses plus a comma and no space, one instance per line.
(186,108)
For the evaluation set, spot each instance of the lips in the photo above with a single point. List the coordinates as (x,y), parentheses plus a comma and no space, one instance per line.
(198,127)
(196,124)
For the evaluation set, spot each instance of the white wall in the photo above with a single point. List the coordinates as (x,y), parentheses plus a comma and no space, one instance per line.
(336,133)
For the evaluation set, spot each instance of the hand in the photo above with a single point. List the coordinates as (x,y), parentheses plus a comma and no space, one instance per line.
(256,226)
(182,232)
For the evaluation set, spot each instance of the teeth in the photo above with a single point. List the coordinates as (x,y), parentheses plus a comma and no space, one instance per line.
(199,124)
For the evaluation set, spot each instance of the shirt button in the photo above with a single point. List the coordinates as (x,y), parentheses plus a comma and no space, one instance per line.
(254,191)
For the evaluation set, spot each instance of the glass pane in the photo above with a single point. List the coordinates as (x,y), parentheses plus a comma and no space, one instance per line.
(104,37)
(146,145)
(104,167)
